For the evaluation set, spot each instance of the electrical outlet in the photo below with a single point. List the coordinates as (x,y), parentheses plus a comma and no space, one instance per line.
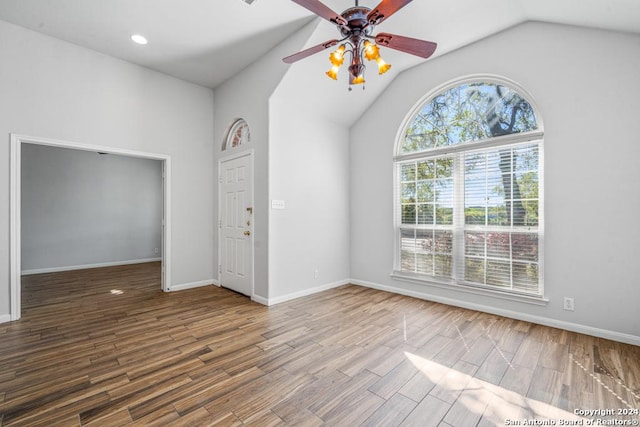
(316,273)
(277,204)
(156,250)
(568,304)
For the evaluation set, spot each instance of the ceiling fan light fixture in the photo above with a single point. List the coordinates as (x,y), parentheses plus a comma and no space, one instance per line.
(337,56)
(356,25)
(357,80)
(356,72)
(371,51)
(383,67)
(333,72)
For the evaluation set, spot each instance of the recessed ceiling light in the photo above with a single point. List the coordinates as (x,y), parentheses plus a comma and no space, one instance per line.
(137,38)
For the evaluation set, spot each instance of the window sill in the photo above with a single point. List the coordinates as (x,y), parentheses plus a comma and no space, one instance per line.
(470,289)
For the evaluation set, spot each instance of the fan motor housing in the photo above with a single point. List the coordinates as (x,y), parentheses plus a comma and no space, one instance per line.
(357,20)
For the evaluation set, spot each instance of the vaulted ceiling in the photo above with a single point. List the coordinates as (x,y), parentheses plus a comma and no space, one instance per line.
(208,41)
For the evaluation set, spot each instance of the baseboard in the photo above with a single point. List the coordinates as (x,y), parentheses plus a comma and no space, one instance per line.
(304,293)
(4,318)
(259,299)
(86,266)
(183,286)
(574,327)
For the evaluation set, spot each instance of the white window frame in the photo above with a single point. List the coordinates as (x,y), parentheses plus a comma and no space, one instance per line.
(512,140)
(230,134)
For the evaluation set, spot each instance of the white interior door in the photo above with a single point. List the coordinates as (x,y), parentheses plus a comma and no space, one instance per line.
(236,224)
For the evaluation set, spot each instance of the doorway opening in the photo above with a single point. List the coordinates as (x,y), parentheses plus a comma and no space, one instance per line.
(16,238)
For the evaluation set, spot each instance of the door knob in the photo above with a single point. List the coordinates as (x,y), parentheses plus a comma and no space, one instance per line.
(247,233)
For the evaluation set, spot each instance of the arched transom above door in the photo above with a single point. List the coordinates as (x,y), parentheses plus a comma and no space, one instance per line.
(238,134)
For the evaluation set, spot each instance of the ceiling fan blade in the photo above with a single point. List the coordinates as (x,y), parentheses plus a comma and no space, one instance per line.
(322,11)
(385,9)
(421,48)
(308,52)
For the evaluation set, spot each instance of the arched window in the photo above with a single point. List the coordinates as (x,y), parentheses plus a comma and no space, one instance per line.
(237,134)
(469,189)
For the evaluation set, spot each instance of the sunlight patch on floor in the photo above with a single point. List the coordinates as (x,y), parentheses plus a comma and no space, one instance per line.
(496,403)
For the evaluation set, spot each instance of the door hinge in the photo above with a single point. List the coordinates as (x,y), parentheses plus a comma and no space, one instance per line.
(219,268)
(219,223)
(220,179)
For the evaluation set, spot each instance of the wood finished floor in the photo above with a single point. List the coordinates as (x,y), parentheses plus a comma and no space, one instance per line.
(105,347)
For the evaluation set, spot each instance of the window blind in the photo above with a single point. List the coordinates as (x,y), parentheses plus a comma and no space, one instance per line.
(501,218)
(473,217)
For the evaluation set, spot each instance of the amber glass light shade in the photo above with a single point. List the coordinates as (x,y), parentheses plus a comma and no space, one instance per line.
(333,72)
(371,51)
(383,67)
(337,56)
(357,80)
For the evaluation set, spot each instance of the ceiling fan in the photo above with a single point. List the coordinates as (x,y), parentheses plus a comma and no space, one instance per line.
(356,26)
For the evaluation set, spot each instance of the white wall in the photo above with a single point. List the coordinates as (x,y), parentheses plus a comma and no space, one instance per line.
(57,90)
(82,208)
(309,170)
(585,83)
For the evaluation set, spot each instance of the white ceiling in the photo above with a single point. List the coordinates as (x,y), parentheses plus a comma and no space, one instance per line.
(208,41)
(201,41)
